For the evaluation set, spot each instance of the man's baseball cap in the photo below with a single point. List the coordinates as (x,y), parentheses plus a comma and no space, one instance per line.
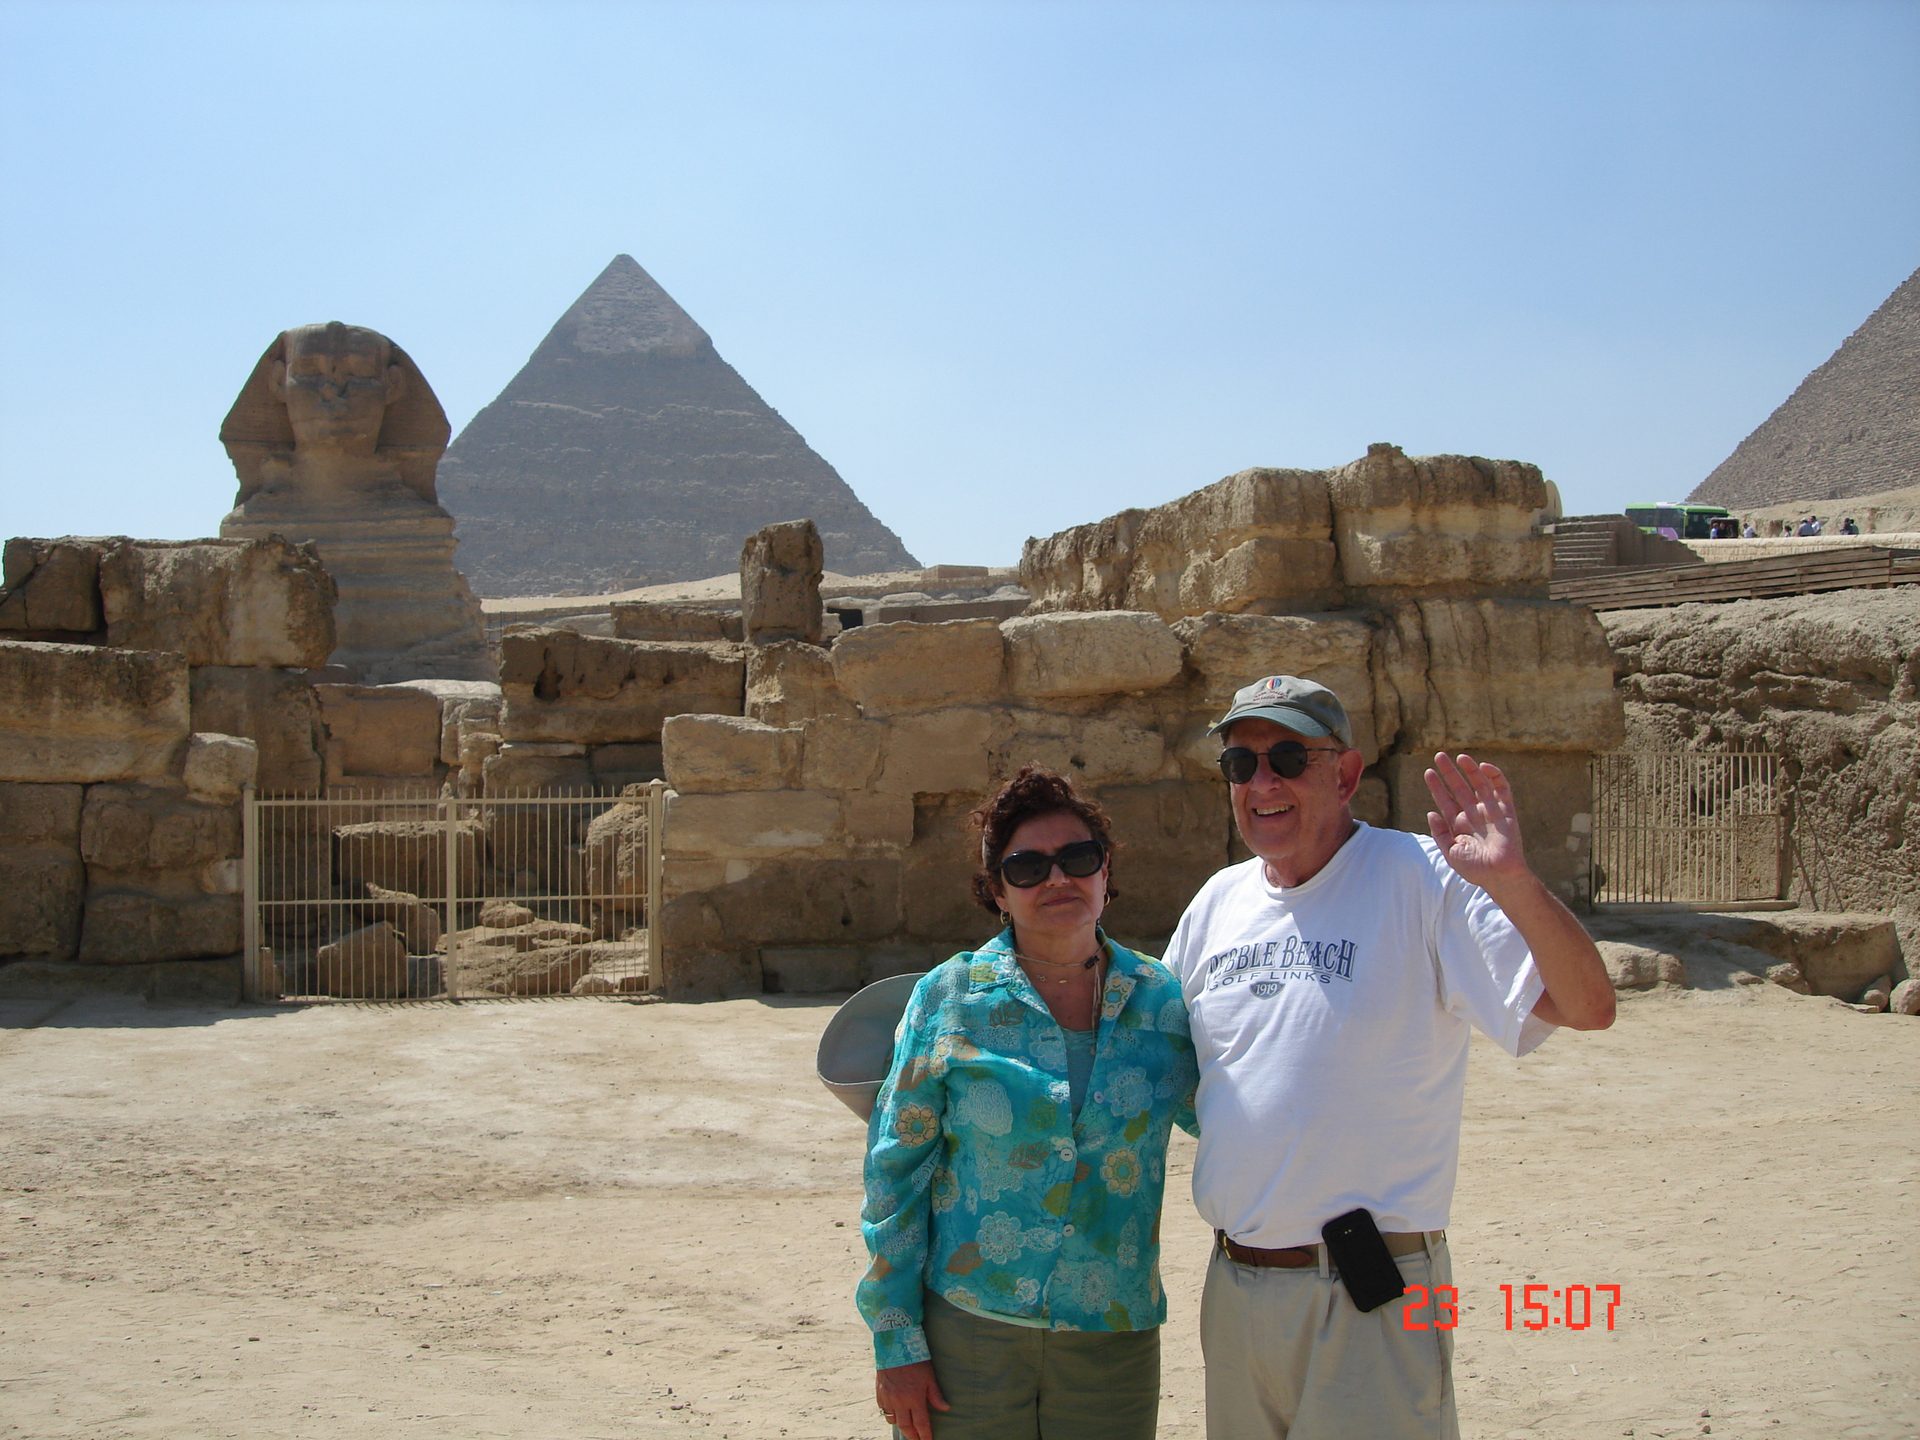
(1290,701)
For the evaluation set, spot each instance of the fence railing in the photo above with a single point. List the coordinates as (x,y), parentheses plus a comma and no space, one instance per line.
(397,895)
(1688,827)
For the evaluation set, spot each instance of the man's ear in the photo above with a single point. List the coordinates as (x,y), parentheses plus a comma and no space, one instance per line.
(396,383)
(1352,764)
(277,380)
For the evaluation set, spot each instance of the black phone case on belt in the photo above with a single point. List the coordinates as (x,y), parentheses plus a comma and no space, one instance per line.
(1357,1251)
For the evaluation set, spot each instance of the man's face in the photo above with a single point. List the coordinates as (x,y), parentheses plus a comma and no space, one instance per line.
(337,384)
(1294,825)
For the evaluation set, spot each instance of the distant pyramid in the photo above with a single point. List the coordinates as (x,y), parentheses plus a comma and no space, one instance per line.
(627,452)
(1851,429)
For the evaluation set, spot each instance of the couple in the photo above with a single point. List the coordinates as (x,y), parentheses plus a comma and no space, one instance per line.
(1313,1009)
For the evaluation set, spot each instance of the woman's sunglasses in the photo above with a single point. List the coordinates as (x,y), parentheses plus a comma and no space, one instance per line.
(1025,869)
(1289,760)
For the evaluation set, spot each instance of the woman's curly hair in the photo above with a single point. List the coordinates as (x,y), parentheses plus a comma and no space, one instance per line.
(1033,791)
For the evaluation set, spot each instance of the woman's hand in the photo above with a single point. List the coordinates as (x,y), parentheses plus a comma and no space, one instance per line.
(907,1395)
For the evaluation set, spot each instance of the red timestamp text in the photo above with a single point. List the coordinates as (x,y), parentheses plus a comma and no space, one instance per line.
(1541,1307)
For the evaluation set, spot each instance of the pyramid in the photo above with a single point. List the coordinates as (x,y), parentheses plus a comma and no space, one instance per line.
(1851,429)
(626,452)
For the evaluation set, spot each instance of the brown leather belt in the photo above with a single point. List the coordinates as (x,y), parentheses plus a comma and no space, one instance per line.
(1299,1257)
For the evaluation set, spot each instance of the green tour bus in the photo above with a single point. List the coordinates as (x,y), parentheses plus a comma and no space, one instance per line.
(1677,520)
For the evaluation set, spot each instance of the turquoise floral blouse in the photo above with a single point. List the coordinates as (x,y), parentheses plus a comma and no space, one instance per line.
(983,1186)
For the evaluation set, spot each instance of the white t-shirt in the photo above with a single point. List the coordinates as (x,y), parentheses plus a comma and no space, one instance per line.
(1331,1021)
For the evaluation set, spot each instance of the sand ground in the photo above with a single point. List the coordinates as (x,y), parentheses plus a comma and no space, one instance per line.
(591,1219)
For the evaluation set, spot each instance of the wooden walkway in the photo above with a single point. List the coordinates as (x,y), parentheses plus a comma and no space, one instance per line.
(1638,587)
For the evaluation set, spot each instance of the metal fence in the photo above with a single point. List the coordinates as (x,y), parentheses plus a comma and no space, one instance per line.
(1688,827)
(396,895)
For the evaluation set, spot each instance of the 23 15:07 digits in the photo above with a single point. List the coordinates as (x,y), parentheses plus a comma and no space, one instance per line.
(1542,1307)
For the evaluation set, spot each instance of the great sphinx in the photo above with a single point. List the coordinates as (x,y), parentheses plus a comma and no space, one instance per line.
(335,438)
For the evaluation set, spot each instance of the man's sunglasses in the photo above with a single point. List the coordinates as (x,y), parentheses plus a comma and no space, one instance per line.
(1025,869)
(1289,760)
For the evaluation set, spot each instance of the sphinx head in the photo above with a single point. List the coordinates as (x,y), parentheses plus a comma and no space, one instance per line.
(336,382)
(341,401)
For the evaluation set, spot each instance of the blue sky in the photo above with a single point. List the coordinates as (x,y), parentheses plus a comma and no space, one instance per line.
(1008,267)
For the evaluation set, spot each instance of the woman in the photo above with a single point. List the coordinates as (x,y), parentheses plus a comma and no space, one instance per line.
(1017,1153)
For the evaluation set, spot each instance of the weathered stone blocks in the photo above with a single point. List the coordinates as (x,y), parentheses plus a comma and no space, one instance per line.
(788,681)
(43,884)
(52,589)
(219,602)
(276,709)
(1517,674)
(780,568)
(754,824)
(902,667)
(1227,652)
(219,767)
(391,731)
(940,752)
(729,752)
(1440,523)
(76,713)
(1110,653)
(561,686)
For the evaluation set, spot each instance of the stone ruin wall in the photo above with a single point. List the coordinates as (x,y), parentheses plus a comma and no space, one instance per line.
(817,840)
(815,835)
(132,675)
(1830,684)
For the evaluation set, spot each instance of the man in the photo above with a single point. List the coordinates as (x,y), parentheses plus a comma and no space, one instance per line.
(1332,980)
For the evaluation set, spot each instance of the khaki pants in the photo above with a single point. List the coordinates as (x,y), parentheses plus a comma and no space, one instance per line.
(1010,1382)
(1289,1358)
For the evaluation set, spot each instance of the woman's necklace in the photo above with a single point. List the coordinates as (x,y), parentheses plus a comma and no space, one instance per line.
(1068,965)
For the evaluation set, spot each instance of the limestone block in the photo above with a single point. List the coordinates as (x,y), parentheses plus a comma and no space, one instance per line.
(130,927)
(780,567)
(135,830)
(408,855)
(801,902)
(878,821)
(1905,999)
(811,969)
(1259,574)
(43,891)
(661,620)
(1259,541)
(754,824)
(939,752)
(937,873)
(1111,653)
(789,681)
(595,690)
(1169,837)
(534,768)
(1636,967)
(168,982)
(617,766)
(368,964)
(219,767)
(417,923)
(465,715)
(276,709)
(1371,804)
(729,752)
(615,863)
(1097,749)
(1441,523)
(40,815)
(840,754)
(902,667)
(379,730)
(80,713)
(880,961)
(219,602)
(1231,651)
(52,588)
(1553,793)
(1495,674)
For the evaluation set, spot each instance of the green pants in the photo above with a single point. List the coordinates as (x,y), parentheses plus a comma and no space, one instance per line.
(1011,1382)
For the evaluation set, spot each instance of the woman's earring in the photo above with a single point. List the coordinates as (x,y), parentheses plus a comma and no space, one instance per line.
(1005,918)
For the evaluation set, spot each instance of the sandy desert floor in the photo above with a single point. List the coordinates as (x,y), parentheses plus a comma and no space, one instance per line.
(591,1219)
